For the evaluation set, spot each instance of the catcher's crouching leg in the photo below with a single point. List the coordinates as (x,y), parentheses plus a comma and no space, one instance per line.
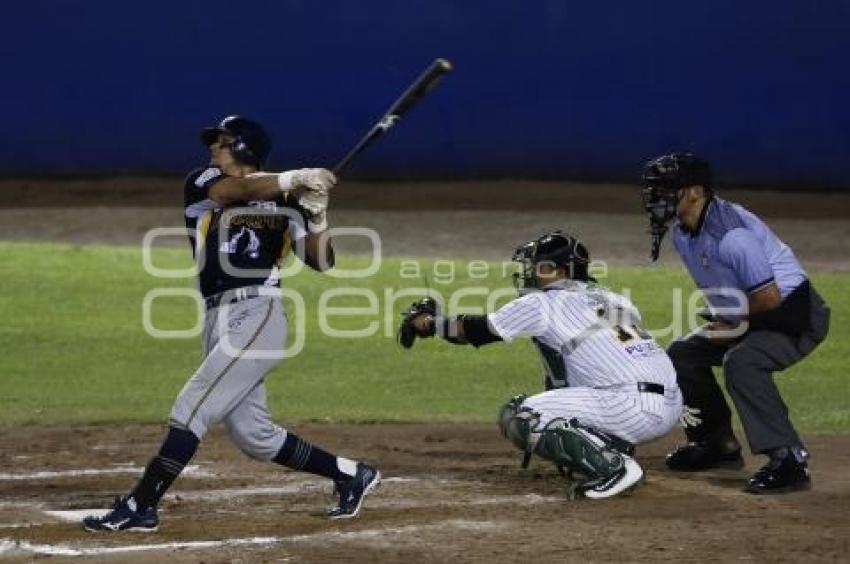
(517,424)
(581,448)
(515,431)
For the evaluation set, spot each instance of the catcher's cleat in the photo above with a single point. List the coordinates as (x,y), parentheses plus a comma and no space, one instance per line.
(621,481)
(353,491)
(124,517)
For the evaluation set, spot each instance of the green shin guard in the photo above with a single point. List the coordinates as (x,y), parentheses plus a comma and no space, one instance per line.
(513,429)
(517,425)
(570,445)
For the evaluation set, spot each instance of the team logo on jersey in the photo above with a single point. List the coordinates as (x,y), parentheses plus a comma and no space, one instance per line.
(642,349)
(251,248)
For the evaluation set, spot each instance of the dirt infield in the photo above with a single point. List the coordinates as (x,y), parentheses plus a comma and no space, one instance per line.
(449,493)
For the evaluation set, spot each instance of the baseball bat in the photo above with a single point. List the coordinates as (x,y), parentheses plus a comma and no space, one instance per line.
(412,96)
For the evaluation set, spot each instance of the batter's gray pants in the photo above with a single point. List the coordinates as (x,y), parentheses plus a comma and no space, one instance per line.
(242,343)
(748,367)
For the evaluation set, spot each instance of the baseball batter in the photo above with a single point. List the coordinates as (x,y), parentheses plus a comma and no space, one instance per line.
(241,224)
(609,384)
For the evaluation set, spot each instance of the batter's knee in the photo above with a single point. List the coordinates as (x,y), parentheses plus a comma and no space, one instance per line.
(262,442)
(184,415)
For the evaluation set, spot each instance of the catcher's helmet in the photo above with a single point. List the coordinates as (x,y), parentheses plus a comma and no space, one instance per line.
(251,144)
(556,249)
(662,179)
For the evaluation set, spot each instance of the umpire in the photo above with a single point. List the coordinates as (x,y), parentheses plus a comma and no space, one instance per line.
(730,252)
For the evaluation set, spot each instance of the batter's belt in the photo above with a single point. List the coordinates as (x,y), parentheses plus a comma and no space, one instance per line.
(231,296)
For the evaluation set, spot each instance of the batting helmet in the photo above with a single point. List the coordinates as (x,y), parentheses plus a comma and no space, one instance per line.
(556,249)
(662,179)
(251,144)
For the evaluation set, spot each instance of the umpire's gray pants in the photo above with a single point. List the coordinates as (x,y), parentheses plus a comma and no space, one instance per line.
(242,343)
(748,367)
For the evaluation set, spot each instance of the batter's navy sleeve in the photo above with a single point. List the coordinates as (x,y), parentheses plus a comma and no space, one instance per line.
(741,250)
(196,200)
(197,191)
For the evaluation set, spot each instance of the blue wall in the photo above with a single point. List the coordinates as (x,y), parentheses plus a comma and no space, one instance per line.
(542,88)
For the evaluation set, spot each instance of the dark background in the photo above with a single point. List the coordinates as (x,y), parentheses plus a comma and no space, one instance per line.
(541,89)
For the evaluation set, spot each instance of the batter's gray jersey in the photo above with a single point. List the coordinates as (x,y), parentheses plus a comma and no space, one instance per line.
(592,337)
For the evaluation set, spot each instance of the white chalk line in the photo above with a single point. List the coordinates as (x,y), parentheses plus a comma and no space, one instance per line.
(76,514)
(21,504)
(304,486)
(301,486)
(526,499)
(12,547)
(231,493)
(375,502)
(192,470)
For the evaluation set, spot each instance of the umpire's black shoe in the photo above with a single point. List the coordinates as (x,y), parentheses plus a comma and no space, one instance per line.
(353,491)
(694,457)
(780,476)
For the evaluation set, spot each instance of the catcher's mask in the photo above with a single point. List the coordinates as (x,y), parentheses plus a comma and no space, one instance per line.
(251,144)
(555,248)
(663,178)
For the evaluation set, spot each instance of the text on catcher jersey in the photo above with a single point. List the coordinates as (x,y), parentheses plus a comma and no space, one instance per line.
(595,332)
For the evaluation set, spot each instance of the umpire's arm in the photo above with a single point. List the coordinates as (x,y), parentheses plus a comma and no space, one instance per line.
(765,299)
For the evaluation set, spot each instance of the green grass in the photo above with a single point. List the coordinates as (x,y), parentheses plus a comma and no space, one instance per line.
(75,351)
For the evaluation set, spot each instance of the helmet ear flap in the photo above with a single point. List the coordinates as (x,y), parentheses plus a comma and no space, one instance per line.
(241,151)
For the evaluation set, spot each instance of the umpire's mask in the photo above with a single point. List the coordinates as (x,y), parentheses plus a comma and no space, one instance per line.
(662,179)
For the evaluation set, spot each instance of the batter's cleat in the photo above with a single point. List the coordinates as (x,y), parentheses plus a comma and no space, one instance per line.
(353,491)
(694,457)
(621,481)
(124,518)
(780,476)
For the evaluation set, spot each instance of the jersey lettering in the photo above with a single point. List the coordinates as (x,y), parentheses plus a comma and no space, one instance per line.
(588,333)
(240,248)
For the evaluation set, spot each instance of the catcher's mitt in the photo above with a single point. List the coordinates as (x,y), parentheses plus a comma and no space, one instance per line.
(407,331)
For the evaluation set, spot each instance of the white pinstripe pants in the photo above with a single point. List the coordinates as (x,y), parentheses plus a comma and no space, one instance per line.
(633,416)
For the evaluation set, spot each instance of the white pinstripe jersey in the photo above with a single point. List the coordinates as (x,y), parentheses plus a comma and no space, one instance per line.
(587,335)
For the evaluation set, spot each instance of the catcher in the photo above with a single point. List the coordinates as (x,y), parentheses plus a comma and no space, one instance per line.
(609,385)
